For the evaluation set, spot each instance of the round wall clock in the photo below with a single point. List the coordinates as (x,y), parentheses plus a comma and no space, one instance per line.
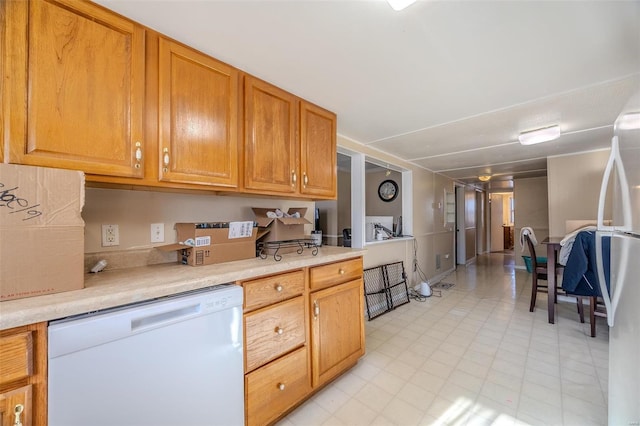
(388,190)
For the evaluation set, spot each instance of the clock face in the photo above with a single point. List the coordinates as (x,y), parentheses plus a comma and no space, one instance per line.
(388,190)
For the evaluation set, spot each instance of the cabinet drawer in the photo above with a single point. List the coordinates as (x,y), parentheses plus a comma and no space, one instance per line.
(273,331)
(276,387)
(335,273)
(16,353)
(265,291)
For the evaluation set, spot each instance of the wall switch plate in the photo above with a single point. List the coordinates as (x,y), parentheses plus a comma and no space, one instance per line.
(110,235)
(157,232)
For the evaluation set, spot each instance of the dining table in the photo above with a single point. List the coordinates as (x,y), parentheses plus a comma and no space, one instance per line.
(553,247)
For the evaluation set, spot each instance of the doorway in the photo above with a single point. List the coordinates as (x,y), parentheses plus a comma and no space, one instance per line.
(501,206)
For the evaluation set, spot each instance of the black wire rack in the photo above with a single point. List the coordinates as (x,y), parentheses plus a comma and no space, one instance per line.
(276,247)
(385,288)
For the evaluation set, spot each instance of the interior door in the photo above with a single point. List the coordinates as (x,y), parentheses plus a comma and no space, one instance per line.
(460,225)
(497,236)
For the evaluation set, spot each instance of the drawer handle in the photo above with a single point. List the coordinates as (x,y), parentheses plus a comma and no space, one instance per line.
(316,309)
(165,160)
(341,271)
(278,288)
(281,386)
(17,412)
(279,330)
(138,154)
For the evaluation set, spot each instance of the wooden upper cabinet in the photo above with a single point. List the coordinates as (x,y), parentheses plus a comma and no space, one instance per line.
(76,96)
(270,138)
(317,151)
(198,117)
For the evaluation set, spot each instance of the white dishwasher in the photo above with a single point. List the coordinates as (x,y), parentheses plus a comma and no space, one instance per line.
(170,361)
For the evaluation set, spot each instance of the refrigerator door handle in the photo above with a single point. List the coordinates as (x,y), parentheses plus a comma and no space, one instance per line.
(615,158)
(610,307)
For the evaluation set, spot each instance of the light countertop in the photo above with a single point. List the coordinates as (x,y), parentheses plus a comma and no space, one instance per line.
(123,286)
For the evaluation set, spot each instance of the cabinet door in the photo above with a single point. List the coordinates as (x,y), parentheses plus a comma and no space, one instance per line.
(317,151)
(198,117)
(77,87)
(337,329)
(270,142)
(15,407)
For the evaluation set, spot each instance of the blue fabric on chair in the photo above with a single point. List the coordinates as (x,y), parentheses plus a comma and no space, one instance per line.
(580,273)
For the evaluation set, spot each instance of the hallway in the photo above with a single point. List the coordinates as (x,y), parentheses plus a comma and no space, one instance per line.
(475,356)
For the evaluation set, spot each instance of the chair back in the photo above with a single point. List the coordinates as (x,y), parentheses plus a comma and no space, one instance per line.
(346,237)
(532,252)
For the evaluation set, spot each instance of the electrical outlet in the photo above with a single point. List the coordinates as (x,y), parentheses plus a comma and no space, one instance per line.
(157,232)
(110,235)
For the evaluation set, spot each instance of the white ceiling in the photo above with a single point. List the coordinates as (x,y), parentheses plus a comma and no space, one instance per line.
(446,85)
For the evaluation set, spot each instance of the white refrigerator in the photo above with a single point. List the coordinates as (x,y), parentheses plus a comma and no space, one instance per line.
(622,300)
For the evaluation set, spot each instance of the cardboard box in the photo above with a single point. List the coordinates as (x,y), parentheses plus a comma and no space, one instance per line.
(208,243)
(280,228)
(41,231)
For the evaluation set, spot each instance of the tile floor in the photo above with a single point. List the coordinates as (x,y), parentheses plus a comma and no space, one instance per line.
(475,356)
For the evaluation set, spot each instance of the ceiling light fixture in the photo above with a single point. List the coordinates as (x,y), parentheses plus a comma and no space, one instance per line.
(540,135)
(630,121)
(398,5)
(484,178)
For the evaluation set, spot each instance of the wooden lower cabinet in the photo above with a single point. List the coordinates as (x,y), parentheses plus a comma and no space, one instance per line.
(337,330)
(302,328)
(23,375)
(15,407)
(276,387)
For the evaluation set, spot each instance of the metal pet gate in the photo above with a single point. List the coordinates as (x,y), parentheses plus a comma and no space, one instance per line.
(385,288)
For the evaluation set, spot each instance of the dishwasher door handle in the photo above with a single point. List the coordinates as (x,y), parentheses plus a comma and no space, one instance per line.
(157,320)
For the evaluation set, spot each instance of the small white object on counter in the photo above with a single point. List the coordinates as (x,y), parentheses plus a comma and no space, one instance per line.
(99,266)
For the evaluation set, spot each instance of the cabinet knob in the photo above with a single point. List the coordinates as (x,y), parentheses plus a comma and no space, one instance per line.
(305,179)
(17,412)
(281,386)
(279,330)
(294,178)
(341,271)
(278,288)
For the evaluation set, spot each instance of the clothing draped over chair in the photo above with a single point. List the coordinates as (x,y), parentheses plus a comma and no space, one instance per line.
(580,275)
(567,243)
(527,231)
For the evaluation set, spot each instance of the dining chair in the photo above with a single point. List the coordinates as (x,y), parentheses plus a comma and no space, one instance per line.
(596,309)
(539,272)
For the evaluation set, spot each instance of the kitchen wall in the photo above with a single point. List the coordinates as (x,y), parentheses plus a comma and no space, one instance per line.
(134,211)
(335,215)
(574,188)
(432,239)
(374,205)
(532,210)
